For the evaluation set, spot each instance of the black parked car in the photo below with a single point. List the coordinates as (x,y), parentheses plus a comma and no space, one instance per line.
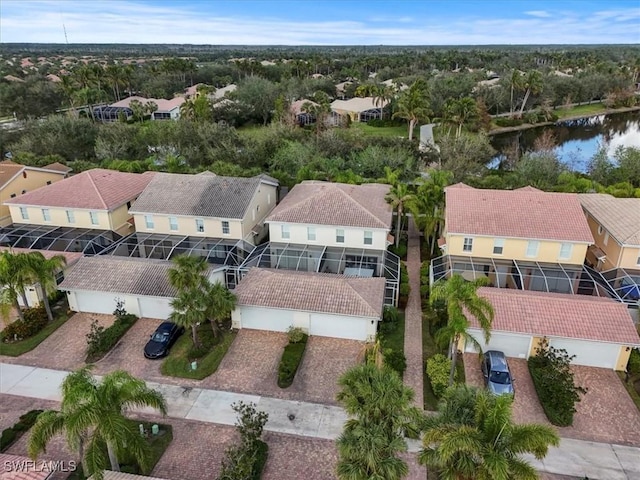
(162,339)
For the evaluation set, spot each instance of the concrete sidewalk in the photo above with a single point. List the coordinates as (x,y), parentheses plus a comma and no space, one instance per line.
(597,461)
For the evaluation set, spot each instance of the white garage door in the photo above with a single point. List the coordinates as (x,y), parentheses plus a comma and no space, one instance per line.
(151,307)
(96,302)
(337,326)
(591,354)
(511,344)
(266,319)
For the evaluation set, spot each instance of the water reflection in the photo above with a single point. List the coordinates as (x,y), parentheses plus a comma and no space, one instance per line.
(577,140)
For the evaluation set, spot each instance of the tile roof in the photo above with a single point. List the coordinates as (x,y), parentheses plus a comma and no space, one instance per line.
(71,257)
(323,203)
(523,213)
(134,276)
(9,169)
(95,189)
(358,104)
(109,475)
(207,195)
(58,167)
(24,468)
(560,315)
(312,292)
(163,104)
(619,216)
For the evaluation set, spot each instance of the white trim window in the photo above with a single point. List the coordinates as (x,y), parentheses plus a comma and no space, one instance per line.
(566,250)
(368,237)
(498,246)
(173,224)
(638,260)
(532,248)
(148,220)
(311,234)
(285,232)
(46,215)
(339,235)
(94,218)
(605,240)
(71,217)
(199,225)
(24,213)
(225,227)
(467,244)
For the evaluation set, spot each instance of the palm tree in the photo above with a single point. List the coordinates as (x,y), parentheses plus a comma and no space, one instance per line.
(220,303)
(15,275)
(92,417)
(382,96)
(189,311)
(413,105)
(68,87)
(473,436)
(44,271)
(461,111)
(515,85)
(398,197)
(188,272)
(320,108)
(382,413)
(532,84)
(461,298)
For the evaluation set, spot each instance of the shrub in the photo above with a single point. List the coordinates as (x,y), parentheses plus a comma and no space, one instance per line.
(400,250)
(552,377)
(438,369)
(35,319)
(7,438)
(508,122)
(100,340)
(390,318)
(11,434)
(295,334)
(395,360)
(291,358)
(633,367)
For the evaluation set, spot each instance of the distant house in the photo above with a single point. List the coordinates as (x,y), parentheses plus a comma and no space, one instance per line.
(167,109)
(301,117)
(359,109)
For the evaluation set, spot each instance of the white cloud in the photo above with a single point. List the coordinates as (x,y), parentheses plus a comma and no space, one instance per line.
(538,13)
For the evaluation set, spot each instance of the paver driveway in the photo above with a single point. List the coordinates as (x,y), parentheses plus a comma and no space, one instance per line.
(65,348)
(606,413)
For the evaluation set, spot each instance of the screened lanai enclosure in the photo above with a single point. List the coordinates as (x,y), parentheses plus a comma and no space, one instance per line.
(539,277)
(62,239)
(316,258)
(372,114)
(107,113)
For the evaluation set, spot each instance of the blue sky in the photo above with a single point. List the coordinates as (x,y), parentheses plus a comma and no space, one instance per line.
(328,22)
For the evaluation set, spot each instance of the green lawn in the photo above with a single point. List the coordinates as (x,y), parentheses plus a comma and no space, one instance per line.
(581,110)
(400,131)
(18,348)
(178,363)
(395,339)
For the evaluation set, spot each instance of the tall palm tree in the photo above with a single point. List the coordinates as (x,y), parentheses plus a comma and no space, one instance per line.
(188,272)
(320,108)
(189,309)
(382,413)
(15,275)
(220,303)
(68,87)
(413,105)
(515,85)
(44,271)
(473,436)
(93,418)
(459,112)
(398,197)
(461,298)
(532,84)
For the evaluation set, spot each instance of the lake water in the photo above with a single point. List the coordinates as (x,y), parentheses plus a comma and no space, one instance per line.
(577,140)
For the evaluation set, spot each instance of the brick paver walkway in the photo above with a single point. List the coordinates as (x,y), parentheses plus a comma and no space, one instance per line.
(413,376)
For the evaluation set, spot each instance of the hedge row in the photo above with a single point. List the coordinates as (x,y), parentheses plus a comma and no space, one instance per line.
(100,340)
(10,435)
(291,358)
(405,288)
(35,319)
(438,370)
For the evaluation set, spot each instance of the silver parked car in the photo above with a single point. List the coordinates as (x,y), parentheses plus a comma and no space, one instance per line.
(496,373)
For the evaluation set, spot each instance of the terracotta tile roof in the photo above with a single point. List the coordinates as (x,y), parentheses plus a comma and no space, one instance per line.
(619,216)
(16,467)
(71,257)
(358,104)
(9,169)
(312,292)
(560,315)
(134,276)
(205,195)
(95,189)
(163,104)
(339,204)
(109,475)
(529,214)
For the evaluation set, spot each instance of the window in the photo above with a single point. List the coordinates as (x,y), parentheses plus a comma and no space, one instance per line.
(173,223)
(605,240)
(46,215)
(284,231)
(467,246)
(225,227)
(258,208)
(94,218)
(199,225)
(128,205)
(638,261)
(600,229)
(498,246)
(368,237)
(565,251)
(13,195)
(23,192)
(311,233)
(339,235)
(48,182)
(71,217)
(532,248)
(268,198)
(24,213)
(148,220)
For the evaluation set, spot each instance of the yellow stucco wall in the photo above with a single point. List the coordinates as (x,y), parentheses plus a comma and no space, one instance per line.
(263,201)
(535,343)
(623,358)
(516,249)
(34,179)
(81,218)
(187,226)
(617,255)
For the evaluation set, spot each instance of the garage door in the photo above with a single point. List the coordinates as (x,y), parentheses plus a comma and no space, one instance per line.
(155,307)
(511,344)
(96,302)
(337,326)
(587,353)
(266,319)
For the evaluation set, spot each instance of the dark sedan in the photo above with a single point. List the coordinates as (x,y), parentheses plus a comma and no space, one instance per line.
(162,339)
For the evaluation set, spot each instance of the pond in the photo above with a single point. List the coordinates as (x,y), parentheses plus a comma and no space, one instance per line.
(577,140)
